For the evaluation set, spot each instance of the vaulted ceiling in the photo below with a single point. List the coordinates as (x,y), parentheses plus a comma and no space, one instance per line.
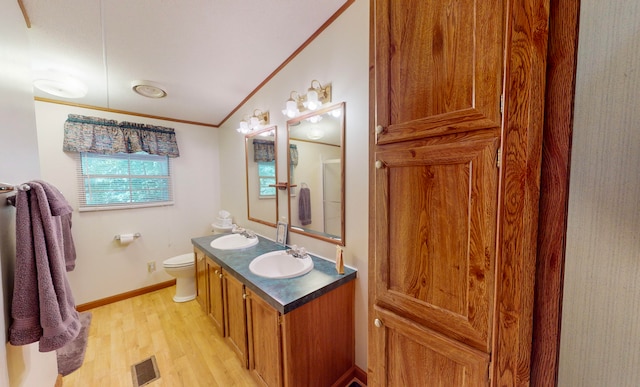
(209,55)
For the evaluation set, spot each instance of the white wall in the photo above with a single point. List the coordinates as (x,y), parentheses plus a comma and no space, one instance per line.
(340,56)
(103,267)
(23,365)
(600,338)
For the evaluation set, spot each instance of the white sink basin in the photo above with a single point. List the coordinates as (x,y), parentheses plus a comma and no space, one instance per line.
(233,242)
(279,264)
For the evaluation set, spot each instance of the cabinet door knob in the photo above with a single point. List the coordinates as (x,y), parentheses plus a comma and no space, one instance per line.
(245,296)
(377,322)
(379,129)
(220,275)
(379,164)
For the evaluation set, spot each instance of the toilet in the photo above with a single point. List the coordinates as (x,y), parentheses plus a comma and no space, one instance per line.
(182,267)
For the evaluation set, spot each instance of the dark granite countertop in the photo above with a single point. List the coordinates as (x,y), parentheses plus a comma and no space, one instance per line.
(286,294)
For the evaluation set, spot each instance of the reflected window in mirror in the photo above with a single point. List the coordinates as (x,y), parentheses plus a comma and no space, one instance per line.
(266,179)
(316,174)
(261,175)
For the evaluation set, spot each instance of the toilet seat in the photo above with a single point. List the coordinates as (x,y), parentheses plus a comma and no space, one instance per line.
(180,261)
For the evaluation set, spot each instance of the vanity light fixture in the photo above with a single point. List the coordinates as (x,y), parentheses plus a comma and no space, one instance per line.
(293,105)
(148,89)
(316,96)
(256,121)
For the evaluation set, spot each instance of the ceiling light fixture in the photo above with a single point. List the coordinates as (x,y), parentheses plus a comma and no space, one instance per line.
(148,89)
(60,84)
(316,96)
(256,121)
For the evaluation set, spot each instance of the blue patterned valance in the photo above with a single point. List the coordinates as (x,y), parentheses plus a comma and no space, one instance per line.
(99,135)
(263,150)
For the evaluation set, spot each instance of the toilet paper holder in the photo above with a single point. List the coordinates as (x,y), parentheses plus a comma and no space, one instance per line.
(136,235)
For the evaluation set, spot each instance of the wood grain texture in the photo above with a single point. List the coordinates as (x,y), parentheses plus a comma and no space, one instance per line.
(188,350)
(264,339)
(554,186)
(407,343)
(235,316)
(124,296)
(215,297)
(439,262)
(202,294)
(438,67)
(318,341)
(522,143)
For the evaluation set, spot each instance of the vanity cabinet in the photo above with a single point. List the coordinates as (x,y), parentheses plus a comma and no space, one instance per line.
(215,295)
(265,340)
(202,293)
(235,316)
(311,344)
(209,292)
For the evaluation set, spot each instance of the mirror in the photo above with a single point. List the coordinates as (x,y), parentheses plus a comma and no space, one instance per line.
(316,174)
(260,152)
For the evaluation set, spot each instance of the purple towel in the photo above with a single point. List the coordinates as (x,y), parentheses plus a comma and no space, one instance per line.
(60,207)
(304,206)
(43,308)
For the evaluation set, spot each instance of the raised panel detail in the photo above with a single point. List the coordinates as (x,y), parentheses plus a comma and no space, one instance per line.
(439,67)
(438,264)
(407,347)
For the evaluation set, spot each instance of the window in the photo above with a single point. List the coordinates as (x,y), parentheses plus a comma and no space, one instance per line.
(266,177)
(123,180)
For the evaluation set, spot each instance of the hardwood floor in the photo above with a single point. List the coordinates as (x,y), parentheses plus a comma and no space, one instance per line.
(188,350)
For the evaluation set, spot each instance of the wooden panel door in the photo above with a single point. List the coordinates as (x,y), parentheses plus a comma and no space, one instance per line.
(201,280)
(216,296)
(435,233)
(438,66)
(265,339)
(420,357)
(235,316)
(453,236)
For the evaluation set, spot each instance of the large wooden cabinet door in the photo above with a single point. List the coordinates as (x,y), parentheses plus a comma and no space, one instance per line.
(438,66)
(435,251)
(216,295)
(456,107)
(438,73)
(235,317)
(265,340)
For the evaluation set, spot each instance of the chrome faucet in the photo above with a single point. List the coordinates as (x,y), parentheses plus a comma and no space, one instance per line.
(296,252)
(244,232)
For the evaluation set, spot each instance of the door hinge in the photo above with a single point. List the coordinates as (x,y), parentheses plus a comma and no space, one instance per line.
(279,319)
(501,103)
(499,158)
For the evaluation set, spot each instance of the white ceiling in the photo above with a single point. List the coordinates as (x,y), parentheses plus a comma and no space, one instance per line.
(208,54)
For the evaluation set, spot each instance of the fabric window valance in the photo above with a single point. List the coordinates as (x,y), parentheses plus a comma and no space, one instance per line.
(263,150)
(103,136)
(293,154)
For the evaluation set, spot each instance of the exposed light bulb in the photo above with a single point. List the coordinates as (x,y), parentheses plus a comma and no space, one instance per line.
(291,109)
(312,100)
(244,127)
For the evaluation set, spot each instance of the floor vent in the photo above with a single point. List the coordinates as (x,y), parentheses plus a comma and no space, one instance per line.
(145,372)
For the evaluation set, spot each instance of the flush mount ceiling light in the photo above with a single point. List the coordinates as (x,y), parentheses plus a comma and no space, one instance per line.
(316,96)
(59,84)
(257,121)
(315,133)
(148,89)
